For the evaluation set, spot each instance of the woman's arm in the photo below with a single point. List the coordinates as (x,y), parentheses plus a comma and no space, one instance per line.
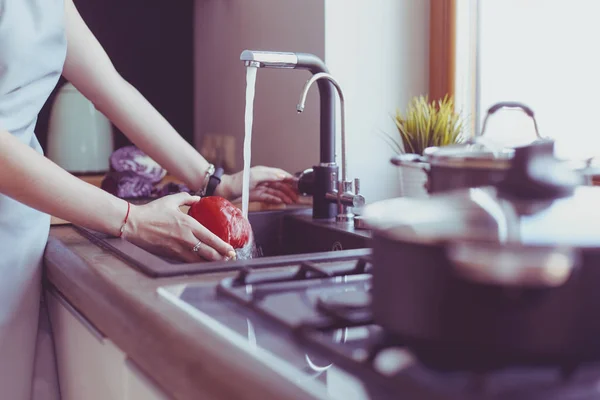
(160,226)
(90,70)
(32,179)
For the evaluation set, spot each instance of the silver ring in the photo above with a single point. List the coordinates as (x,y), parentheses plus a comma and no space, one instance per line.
(197,246)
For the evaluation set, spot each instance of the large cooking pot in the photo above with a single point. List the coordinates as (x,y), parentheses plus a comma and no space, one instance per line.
(510,270)
(477,162)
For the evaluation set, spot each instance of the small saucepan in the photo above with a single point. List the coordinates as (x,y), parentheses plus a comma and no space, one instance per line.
(471,164)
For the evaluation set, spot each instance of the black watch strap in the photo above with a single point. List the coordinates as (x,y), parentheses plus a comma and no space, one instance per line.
(214,181)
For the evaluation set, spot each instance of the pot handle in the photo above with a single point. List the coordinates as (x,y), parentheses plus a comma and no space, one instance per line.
(511,105)
(501,264)
(411,161)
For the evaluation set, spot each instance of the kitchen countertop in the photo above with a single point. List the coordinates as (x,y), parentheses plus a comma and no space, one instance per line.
(186,359)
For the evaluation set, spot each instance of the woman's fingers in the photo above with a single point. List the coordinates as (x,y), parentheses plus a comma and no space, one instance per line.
(187,255)
(270,195)
(210,239)
(185,251)
(279,194)
(284,191)
(262,174)
(183,199)
(176,200)
(199,243)
(274,192)
(265,197)
(290,195)
(205,251)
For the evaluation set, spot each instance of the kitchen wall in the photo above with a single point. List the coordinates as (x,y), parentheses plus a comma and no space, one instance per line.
(378,50)
(224,29)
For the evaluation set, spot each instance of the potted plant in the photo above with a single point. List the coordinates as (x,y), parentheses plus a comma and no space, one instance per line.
(424,124)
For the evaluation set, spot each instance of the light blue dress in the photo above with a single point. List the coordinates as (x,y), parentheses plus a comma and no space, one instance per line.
(32,54)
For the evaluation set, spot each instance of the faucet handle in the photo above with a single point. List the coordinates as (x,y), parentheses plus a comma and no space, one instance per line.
(359,200)
(334,181)
(347,186)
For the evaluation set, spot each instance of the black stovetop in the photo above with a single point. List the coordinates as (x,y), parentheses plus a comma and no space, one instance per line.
(316,317)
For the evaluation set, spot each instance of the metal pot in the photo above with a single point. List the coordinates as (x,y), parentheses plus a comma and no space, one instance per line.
(509,271)
(474,163)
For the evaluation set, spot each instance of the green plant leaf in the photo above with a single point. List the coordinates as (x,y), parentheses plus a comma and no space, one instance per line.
(425,124)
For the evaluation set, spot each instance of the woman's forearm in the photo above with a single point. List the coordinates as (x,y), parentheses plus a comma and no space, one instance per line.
(32,179)
(159,226)
(151,132)
(90,70)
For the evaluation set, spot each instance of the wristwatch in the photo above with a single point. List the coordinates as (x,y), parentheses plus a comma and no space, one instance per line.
(212,178)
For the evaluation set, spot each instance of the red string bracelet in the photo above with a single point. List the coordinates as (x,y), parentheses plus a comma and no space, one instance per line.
(125,221)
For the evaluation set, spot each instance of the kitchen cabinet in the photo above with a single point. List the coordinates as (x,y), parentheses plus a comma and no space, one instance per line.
(140,386)
(89,365)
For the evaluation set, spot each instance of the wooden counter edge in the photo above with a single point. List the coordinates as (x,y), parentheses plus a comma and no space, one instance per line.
(196,363)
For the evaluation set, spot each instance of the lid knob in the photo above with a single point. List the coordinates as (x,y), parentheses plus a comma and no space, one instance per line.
(536,174)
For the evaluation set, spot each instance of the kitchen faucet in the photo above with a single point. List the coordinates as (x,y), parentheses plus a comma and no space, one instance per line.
(320,180)
(342,189)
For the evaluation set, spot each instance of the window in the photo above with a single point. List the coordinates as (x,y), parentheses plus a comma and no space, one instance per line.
(542,53)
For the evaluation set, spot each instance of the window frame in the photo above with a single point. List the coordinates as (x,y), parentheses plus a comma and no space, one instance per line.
(442,48)
(453,57)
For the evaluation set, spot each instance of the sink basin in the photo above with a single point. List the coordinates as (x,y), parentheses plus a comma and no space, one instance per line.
(278,235)
(288,232)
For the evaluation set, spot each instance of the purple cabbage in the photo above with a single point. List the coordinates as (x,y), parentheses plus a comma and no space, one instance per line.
(132,159)
(134,175)
(127,185)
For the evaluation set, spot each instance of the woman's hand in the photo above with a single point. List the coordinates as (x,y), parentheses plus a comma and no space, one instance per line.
(270,185)
(161,227)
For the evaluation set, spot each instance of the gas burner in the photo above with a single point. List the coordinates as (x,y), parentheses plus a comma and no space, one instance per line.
(326,308)
(346,300)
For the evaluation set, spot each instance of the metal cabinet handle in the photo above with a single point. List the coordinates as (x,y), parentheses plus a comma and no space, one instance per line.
(77,315)
(156,388)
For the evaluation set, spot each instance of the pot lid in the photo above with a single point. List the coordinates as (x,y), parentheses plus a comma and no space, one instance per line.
(475,153)
(475,148)
(485,215)
(480,151)
(540,202)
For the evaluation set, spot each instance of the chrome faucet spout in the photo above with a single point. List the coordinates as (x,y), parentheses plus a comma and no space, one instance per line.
(312,63)
(341,191)
(301,105)
(269,59)
(320,185)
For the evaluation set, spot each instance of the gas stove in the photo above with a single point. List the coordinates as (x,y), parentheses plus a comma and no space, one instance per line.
(313,320)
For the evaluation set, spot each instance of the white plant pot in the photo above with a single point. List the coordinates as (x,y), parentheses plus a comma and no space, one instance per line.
(413,182)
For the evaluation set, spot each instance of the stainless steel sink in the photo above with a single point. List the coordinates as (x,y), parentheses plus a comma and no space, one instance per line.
(295,232)
(279,235)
